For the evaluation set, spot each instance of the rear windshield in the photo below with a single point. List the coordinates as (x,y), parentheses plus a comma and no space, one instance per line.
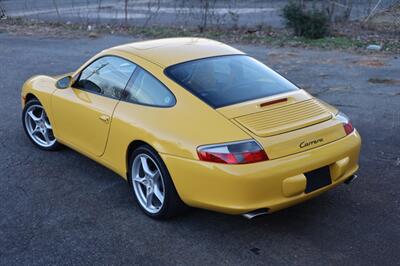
(225,80)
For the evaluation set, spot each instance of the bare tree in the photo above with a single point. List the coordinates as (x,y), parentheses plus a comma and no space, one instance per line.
(207,11)
(339,10)
(98,11)
(56,8)
(77,11)
(2,11)
(348,9)
(334,9)
(126,11)
(87,12)
(373,11)
(153,7)
(329,8)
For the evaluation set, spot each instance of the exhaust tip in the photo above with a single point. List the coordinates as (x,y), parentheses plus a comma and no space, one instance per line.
(255,213)
(350,180)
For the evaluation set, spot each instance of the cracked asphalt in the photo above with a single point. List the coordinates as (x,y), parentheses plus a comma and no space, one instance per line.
(63,208)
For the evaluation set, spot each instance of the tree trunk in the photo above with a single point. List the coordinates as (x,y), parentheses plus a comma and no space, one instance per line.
(349,8)
(56,7)
(126,12)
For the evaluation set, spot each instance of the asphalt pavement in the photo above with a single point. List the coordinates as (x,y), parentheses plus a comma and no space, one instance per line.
(63,208)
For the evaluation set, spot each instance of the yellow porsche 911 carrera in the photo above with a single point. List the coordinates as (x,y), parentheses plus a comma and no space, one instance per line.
(194,122)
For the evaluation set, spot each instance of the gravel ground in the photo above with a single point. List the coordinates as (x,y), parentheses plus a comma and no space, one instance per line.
(62,208)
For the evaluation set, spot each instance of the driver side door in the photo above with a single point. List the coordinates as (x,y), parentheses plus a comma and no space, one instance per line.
(83,112)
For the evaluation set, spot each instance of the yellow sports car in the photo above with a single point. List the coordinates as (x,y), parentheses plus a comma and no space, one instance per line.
(194,122)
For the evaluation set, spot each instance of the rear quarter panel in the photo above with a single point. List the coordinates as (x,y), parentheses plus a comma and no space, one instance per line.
(176,130)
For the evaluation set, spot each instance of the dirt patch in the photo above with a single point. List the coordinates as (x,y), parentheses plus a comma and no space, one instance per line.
(383,81)
(329,61)
(370,63)
(290,54)
(30,28)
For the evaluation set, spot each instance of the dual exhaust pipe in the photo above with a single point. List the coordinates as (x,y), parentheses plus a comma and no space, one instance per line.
(255,213)
(350,179)
(261,212)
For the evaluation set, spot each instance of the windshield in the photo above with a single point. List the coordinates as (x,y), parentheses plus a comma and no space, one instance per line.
(225,80)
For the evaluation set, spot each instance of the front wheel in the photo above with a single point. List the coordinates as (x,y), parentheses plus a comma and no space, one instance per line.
(37,126)
(152,185)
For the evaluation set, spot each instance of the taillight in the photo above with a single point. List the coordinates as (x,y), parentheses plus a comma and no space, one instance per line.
(242,152)
(348,127)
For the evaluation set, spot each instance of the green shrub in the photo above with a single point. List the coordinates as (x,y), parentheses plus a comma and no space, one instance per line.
(309,24)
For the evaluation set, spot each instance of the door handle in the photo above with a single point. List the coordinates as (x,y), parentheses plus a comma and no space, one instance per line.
(105,118)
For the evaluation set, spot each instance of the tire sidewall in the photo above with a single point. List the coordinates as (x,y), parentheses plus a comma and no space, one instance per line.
(168,185)
(56,144)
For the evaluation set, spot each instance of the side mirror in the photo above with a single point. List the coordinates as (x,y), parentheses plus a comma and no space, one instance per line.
(64,82)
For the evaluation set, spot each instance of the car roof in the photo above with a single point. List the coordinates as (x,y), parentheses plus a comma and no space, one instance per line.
(171,51)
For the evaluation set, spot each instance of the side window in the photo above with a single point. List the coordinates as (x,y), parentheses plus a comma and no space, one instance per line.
(107,76)
(148,90)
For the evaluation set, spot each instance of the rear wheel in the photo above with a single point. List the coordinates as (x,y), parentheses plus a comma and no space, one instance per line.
(37,126)
(152,185)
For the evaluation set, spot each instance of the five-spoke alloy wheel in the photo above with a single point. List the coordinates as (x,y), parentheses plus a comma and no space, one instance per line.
(38,127)
(152,185)
(148,183)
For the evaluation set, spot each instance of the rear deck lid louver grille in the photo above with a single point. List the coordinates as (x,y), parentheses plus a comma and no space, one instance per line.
(286,118)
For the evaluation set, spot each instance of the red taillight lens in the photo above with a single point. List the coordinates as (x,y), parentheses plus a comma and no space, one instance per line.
(233,153)
(348,127)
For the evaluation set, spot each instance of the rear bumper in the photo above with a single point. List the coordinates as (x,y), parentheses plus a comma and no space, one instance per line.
(274,184)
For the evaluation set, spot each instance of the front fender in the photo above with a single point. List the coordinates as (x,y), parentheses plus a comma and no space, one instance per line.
(41,87)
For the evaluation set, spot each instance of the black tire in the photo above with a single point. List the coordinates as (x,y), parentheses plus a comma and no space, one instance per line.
(172,205)
(54,146)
